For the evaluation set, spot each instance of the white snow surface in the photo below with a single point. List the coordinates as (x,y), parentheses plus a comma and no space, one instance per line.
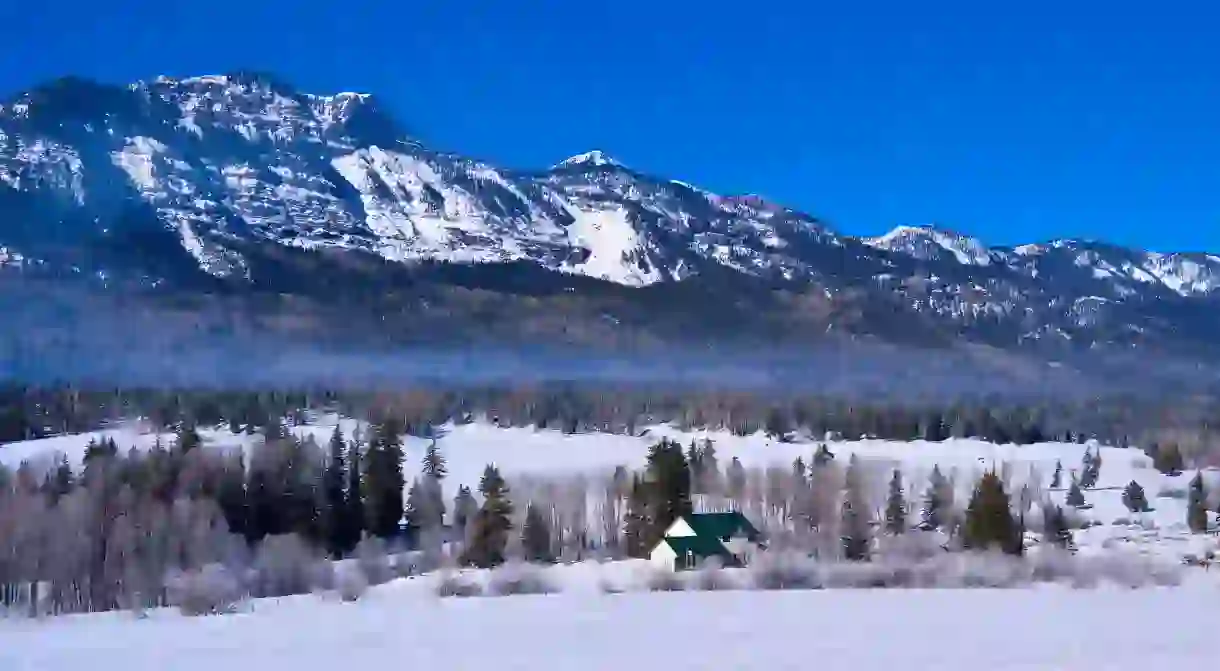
(1049,628)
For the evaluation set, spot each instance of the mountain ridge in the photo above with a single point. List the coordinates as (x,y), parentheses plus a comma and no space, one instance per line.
(209,181)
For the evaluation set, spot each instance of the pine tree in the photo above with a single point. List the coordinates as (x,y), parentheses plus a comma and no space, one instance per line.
(989,521)
(735,476)
(1196,506)
(415,510)
(856,519)
(1168,460)
(60,482)
(434,464)
(1055,529)
(896,506)
(536,536)
(464,509)
(1134,498)
(638,523)
(384,480)
(1075,497)
(669,486)
(800,472)
(354,519)
(694,458)
(707,458)
(1090,469)
(1057,478)
(335,505)
(823,456)
(492,523)
(187,439)
(935,507)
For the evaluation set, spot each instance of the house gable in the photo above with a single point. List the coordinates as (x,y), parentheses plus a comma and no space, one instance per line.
(679,529)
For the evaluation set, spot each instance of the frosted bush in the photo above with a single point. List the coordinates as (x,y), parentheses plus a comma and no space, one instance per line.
(854,575)
(1173,492)
(519,578)
(912,547)
(607,586)
(285,565)
(712,577)
(661,580)
(452,583)
(785,570)
(405,565)
(371,556)
(212,590)
(1165,574)
(350,582)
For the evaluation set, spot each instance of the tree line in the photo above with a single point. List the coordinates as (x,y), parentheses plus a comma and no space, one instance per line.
(1186,425)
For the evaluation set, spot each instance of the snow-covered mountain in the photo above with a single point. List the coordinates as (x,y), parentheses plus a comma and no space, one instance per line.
(243,157)
(154,181)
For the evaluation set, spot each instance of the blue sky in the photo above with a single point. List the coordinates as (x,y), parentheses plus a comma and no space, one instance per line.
(1016,123)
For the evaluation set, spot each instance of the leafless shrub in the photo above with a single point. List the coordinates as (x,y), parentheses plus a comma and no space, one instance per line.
(519,578)
(211,590)
(661,580)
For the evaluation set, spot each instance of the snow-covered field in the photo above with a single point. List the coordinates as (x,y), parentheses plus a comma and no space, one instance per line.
(404,625)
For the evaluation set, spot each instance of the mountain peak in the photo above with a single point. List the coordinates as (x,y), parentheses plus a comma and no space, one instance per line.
(594,159)
(928,242)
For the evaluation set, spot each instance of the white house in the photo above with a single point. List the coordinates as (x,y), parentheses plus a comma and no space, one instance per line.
(694,538)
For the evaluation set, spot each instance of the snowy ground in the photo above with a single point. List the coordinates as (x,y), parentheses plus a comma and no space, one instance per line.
(519,451)
(404,625)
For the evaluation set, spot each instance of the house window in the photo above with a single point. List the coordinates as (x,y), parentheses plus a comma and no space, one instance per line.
(690,559)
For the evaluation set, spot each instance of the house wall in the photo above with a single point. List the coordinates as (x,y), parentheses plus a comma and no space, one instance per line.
(662,556)
(679,529)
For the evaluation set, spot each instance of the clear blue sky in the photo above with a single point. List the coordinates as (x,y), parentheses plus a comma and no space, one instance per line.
(1021,123)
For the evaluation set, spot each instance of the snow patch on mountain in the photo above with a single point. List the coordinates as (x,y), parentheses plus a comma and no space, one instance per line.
(928,244)
(615,247)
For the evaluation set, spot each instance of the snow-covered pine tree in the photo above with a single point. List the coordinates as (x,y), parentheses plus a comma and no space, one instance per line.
(856,525)
(896,506)
(1134,498)
(1075,497)
(1196,505)
(536,536)
(989,521)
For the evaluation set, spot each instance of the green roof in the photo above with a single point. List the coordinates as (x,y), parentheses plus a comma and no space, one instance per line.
(721,525)
(700,546)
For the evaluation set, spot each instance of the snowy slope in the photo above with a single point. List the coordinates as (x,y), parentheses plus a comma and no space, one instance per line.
(945,630)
